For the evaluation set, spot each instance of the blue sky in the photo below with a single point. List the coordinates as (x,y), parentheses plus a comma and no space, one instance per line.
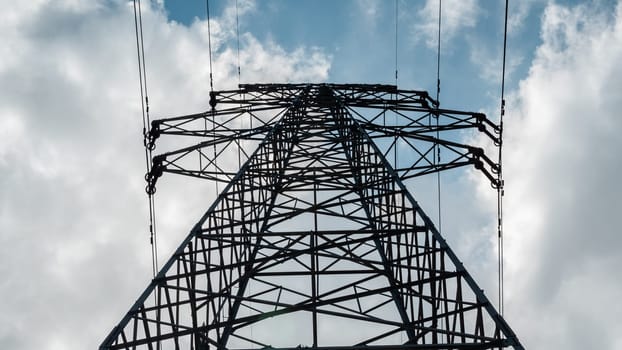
(74,250)
(359,36)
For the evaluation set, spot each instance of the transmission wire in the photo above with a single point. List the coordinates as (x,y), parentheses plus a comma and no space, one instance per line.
(396,22)
(395,137)
(437,156)
(209,46)
(144,101)
(237,32)
(500,183)
(211,86)
(152,215)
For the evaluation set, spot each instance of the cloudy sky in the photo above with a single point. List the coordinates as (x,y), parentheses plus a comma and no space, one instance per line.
(74,252)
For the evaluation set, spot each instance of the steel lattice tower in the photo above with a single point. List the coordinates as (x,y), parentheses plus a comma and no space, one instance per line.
(315,242)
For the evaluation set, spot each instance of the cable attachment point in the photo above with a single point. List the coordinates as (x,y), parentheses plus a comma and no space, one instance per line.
(157,169)
(495,168)
(479,121)
(497,184)
(482,163)
(502,107)
(152,135)
(212,99)
(476,155)
(498,130)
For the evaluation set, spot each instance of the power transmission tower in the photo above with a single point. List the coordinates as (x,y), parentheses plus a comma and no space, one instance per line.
(315,242)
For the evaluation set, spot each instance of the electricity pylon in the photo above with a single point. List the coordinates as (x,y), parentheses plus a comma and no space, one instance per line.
(315,242)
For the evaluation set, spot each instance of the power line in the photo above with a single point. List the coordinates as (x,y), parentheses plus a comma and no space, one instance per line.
(144,101)
(209,46)
(211,85)
(438,53)
(237,32)
(500,183)
(437,155)
(396,26)
(395,138)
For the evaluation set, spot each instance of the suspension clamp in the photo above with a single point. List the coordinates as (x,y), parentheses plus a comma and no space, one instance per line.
(157,169)
(153,135)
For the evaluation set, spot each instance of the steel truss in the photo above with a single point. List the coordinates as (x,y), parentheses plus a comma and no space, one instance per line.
(315,241)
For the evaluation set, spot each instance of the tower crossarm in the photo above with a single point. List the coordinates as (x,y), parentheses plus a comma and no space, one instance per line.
(411,131)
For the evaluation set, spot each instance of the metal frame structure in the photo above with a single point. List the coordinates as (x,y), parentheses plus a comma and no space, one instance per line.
(315,241)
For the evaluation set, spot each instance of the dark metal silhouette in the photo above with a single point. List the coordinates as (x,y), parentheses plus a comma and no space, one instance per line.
(315,241)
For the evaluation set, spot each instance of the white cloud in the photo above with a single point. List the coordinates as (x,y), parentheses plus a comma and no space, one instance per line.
(562,188)
(518,13)
(490,64)
(456,16)
(73,240)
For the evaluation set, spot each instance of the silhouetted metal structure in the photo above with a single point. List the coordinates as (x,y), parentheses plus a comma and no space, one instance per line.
(315,242)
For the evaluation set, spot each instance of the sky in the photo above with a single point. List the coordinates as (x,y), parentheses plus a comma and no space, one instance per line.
(74,252)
